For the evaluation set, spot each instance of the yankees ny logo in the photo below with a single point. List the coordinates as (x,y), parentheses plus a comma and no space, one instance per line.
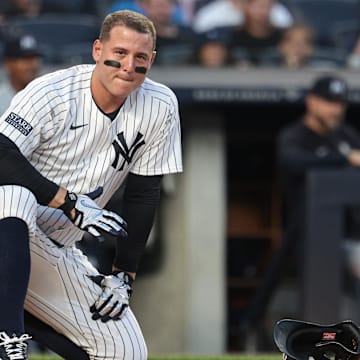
(126,152)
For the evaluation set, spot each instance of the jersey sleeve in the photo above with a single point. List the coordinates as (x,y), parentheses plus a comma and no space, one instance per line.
(26,121)
(163,155)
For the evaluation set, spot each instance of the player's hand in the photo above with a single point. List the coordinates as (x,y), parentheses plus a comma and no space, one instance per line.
(113,301)
(88,216)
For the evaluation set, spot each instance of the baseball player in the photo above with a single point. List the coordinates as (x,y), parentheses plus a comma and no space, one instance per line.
(67,142)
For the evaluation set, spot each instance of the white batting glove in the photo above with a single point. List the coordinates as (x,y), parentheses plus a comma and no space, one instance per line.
(113,301)
(92,218)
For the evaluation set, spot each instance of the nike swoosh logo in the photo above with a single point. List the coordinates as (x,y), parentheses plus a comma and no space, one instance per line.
(89,206)
(73,127)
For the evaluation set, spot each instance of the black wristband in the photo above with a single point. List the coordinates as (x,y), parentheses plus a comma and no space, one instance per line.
(69,204)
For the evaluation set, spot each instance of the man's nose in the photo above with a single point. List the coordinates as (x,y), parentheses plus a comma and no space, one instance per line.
(128,64)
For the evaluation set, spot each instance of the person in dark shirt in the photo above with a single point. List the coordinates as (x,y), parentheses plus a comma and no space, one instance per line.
(321,138)
(212,50)
(174,41)
(257,34)
(295,50)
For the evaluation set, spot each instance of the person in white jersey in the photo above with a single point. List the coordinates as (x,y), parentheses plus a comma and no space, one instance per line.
(68,141)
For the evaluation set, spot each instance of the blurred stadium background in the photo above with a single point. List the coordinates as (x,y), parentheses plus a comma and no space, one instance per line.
(221,220)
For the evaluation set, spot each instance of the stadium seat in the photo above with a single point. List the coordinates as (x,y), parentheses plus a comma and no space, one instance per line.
(325,15)
(177,54)
(57,32)
(323,57)
(70,7)
(76,53)
(345,34)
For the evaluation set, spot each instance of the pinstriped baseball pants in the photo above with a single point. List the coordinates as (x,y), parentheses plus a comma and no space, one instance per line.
(60,292)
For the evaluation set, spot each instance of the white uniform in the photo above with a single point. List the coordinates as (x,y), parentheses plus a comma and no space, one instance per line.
(56,124)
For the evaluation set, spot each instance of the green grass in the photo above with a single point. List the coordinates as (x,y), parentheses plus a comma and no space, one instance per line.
(189,357)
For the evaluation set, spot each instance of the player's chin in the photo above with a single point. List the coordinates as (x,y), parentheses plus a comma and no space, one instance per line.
(125,88)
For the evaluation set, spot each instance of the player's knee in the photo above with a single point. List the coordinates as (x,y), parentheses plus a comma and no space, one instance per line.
(134,351)
(122,348)
(19,202)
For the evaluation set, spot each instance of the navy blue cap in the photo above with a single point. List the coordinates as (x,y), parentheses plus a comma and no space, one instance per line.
(330,88)
(20,46)
(212,36)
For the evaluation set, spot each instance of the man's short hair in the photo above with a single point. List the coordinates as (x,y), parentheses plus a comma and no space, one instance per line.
(132,20)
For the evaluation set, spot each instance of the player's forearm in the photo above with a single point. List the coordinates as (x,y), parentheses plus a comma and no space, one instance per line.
(17,170)
(59,198)
(129,250)
(21,172)
(132,274)
(141,199)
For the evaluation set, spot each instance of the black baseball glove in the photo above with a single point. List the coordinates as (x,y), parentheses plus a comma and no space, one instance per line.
(300,340)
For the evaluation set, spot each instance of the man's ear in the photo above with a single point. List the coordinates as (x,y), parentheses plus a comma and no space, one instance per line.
(153,56)
(96,50)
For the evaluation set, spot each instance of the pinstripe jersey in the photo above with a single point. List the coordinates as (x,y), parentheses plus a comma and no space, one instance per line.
(58,127)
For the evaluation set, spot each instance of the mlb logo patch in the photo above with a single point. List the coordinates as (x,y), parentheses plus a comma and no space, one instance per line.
(328,336)
(19,123)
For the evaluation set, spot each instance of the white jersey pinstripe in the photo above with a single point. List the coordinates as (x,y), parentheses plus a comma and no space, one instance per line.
(58,127)
(74,144)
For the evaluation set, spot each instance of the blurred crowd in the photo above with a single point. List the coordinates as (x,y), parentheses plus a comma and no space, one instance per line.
(208,33)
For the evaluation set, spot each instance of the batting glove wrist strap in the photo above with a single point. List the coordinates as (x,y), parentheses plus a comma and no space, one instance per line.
(113,301)
(123,276)
(69,204)
(92,218)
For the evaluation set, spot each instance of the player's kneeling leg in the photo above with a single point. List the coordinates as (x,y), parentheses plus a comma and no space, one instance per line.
(52,340)
(17,220)
(119,339)
(18,202)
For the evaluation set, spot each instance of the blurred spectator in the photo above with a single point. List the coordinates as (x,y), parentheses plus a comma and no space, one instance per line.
(167,32)
(320,138)
(174,42)
(212,50)
(295,49)
(177,14)
(187,10)
(220,13)
(331,19)
(4,8)
(21,8)
(257,34)
(21,61)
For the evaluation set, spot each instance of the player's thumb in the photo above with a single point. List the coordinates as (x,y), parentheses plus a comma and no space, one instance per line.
(96,193)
